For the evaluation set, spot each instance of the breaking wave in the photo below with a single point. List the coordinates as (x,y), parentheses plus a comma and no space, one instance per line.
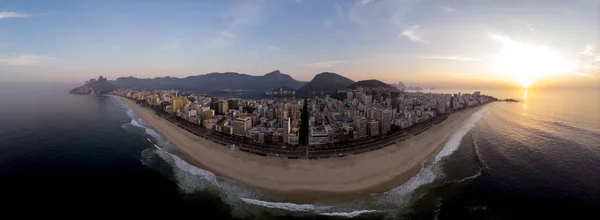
(281,205)
(309,208)
(191,179)
(135,123)
(467,178)
(430,171)
(454,141)
(348,214)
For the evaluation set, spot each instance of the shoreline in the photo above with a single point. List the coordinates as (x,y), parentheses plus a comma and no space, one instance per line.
(306,180)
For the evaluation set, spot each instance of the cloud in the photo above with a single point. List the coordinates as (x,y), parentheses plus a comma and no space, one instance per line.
(447,9)
(456,58)
(323,64)
(248,13)
(411,34)
(24,59)
(364,2)
(272,47)
(338,10)
(327,23)
(224,39)
(587,50)
(370,13)
(9,14)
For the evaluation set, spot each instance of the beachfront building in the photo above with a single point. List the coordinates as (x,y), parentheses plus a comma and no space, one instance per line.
(177,104)
(373,128)
(360,126)
(241,125)
(384,116)
(318,136)
(276,121)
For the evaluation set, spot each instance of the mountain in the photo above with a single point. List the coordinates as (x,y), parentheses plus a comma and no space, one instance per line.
(213,82)
(401,85)
(371,83)
(92,80)
(93,86)
(324,83)
(414,88)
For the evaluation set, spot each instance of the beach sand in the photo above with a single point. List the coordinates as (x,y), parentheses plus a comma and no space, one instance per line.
(376,171)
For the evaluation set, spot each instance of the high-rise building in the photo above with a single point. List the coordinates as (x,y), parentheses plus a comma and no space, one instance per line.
(233,103)
(223,107)
(349,96)
(206,114)
(368,99)
(373,128)
(286,126)
(360,126)
(441,107)
(384,116)
(177,103)
(303,139)
(241,125)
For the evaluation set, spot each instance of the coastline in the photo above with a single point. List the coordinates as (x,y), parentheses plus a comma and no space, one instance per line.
(375,171)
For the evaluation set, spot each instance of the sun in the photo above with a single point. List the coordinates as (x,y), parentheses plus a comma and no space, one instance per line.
(526,63)
(525,83)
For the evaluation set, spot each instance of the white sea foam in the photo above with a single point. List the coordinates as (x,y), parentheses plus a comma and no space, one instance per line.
(401,195)
(348,214)
(467,178)
(438,208)
(454,141)
(429,172)
(281,205)
(135,123)
(191,178)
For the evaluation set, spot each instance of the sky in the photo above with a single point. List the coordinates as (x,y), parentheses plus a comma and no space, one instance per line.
(441,42)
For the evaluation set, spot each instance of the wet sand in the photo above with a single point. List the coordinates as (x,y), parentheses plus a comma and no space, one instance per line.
(375,171)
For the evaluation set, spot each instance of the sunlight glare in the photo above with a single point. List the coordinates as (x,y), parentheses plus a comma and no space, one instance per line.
(525,63)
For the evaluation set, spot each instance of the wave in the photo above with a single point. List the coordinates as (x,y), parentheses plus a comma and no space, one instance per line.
(467,178)
(189,178)
(438,208)
(135,123)
(281,205)
(400,195)
(454,141)
(348,214)
(192,179)
(310,208)
(430,171)
(477,152)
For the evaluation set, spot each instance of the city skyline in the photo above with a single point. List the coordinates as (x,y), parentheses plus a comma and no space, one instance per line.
(448,43)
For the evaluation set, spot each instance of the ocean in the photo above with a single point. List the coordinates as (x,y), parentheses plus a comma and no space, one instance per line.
(538,158)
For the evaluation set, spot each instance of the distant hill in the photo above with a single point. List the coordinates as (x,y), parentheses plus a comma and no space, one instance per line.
(324,83)
(401,85)
(213,82)
(93,86)
(371,83)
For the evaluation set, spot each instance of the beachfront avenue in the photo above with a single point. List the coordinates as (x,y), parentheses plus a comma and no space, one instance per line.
(333,128)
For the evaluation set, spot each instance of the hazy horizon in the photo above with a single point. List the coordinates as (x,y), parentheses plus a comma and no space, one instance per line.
(458,44)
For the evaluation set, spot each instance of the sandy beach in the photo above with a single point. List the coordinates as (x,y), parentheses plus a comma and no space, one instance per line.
(375,171)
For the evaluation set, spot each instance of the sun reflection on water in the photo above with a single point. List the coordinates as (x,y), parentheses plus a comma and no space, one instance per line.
(525,99)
